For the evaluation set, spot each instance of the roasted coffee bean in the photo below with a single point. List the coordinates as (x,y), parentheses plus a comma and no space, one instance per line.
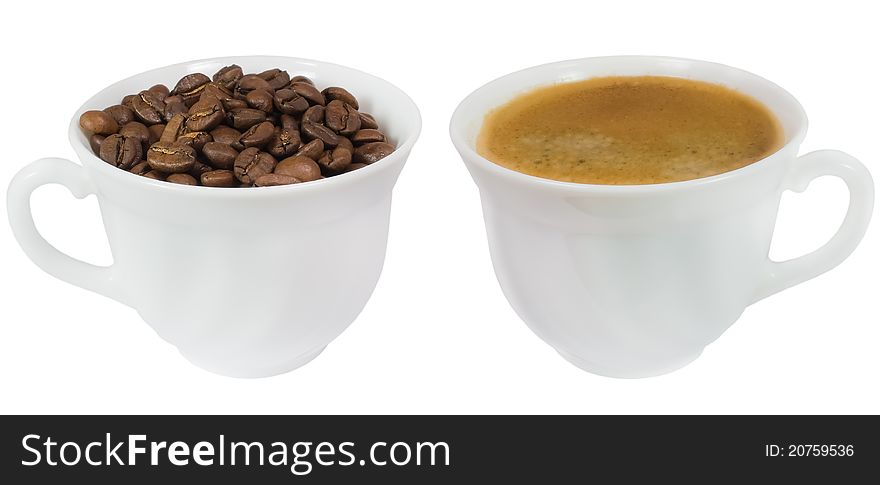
(225,134)
(231,104)
(341,118)
(252,163)
(249,83)
(341,94)
(312,131)
(98,123)
(368,135)
(190,87)
(199,168)
(257,135)
(353,167)
(137,130)
(260,99)
(155,175)
(352,121)
(288,102)
(216,91)
(275,179)
(140,168)
(275,77)
(189,83)
(336,160)
(308,91)
(182,178)
(315,114)
(219,155)
(173,130)
(127,100)
(122,114)
(174,105)
(195,139)
(160,89)
(95,143)
(344,142)
(301,79)
(228,76)
(149,107)
(303,168)
(312,149)
(171,157)
(322,161)
(284,143)
(335,115)
(121,152)
(219,178)
(244,118)
(155,132)
(288,121)
(269,73)
(205,115)
(372,152)
(367,121)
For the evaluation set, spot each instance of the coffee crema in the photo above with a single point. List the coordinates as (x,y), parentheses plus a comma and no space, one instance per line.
(629,130)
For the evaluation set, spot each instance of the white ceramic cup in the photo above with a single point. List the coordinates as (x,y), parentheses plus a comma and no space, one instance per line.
(246,282)
(634,281)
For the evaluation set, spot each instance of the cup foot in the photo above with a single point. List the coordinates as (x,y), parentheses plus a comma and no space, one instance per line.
(255,371)
(631,372)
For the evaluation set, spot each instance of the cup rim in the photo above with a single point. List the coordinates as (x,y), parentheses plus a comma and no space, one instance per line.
(470,155)
(411,133)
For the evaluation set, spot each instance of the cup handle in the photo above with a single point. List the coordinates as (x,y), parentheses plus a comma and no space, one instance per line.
(18,205)
(782,275)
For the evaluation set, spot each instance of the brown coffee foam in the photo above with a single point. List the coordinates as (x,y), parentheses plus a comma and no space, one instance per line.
(629,130)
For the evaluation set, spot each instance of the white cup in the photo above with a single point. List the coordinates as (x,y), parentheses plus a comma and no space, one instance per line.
(246,282)
(634,281)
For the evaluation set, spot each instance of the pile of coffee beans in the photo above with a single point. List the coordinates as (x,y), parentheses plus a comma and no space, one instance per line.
(237,130)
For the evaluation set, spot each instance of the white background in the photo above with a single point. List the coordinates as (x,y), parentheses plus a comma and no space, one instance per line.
(438,336)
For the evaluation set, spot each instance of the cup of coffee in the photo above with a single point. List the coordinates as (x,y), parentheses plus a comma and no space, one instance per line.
(246,218)
(630,202)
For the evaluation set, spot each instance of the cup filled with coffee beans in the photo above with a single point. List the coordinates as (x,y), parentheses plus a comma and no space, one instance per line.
(630,202)
(246,201)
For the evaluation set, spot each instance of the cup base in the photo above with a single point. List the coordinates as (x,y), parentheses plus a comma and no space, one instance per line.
(631,373)
(256,371)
